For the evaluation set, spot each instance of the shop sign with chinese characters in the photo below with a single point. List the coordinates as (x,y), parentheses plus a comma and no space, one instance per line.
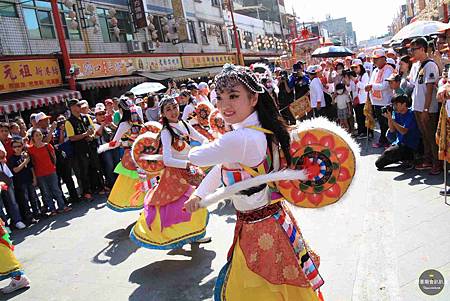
(25,75)
(208,60)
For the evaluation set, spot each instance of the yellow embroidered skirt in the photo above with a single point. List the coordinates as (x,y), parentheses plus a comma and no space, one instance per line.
(237,282)
(120,197)
(9,266)
(169,227)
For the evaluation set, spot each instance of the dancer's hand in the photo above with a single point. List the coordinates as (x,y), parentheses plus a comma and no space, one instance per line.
(193,204)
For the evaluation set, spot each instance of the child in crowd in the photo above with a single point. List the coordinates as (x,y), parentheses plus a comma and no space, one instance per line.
(343,102)
(24,182)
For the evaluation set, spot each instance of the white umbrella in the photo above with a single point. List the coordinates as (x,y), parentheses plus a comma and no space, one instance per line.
(147,87)
(418,29)
(332,51)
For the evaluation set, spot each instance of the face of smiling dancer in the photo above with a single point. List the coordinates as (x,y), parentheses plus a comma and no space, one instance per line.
(236,104)
(171,112)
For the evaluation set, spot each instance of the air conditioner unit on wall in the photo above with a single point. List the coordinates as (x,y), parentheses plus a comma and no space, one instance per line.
(149,46)
(134,46)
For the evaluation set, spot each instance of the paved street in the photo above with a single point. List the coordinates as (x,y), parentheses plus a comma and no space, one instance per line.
(374,245)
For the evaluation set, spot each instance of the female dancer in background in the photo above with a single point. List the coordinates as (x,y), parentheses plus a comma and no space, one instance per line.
(164,224)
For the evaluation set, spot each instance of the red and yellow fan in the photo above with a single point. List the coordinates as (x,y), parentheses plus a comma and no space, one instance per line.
(217,123)
(148,143)
(328,156)
(202,111)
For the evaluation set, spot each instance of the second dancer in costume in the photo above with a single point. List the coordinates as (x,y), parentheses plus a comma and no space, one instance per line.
(269,259)
(120,198)
(163,224)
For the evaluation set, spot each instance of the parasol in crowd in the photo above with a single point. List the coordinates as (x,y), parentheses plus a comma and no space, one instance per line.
(418,29)
(332,51)
(147,87)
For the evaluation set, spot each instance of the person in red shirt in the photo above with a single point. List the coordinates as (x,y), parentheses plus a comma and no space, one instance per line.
(5,139)
(44,159)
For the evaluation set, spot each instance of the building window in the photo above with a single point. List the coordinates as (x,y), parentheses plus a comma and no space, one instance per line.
(215,3)
(71,34)
(220,35)
(8,9)
(123,22)
(248,37)
(192,35)
(203,33)
(38,19)
(159,28)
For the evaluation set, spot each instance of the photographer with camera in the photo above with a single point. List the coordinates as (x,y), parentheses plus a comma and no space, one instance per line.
(317,96)
(298,81)
(64,155)
(285,97)
(403,133)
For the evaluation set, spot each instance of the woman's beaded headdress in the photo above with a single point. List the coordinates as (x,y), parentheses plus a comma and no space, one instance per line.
(231,75)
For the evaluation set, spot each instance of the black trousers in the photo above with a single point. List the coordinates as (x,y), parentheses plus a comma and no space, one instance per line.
(394,154)
(64,172)
(382,121)
(360,118)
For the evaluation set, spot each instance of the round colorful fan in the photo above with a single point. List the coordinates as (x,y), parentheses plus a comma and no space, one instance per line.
(330,162)
(203,111)
(204,132)
(217,122)
(151,126)
(147,144)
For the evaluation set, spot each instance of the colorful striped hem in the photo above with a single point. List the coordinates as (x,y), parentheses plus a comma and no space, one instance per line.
(122,209)
(220,282)
(11,274)
(172,246)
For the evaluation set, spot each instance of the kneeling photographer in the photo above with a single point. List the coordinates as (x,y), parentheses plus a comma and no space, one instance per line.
(403,133)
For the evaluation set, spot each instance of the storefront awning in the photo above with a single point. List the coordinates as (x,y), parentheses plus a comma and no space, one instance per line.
(20,101)
(110,82)
(211,71)
(176,74)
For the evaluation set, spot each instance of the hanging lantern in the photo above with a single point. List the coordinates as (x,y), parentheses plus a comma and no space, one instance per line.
(116,31)
(93,19)
(73,25)
(112,12)
(91,8)
(164,21)
(166,28)
(154,35)
(114,21)
(150,18)
(157,44)
(68,3)
(151,27)
(72,14)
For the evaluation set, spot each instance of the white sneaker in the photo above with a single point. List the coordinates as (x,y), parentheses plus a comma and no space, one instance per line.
(20,225)
(16,285)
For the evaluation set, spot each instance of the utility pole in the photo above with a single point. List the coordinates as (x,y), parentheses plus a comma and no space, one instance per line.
(62,44)
(229,3)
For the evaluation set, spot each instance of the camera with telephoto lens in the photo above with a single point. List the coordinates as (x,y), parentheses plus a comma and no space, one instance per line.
(284,74)
(349,73)
(387,109)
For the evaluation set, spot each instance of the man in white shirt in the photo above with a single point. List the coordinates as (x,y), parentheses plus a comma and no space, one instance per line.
(380,93)
(425,75)
(316,95)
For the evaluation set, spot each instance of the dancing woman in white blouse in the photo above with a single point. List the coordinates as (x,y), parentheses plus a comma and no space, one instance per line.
(263,264)
(164,224)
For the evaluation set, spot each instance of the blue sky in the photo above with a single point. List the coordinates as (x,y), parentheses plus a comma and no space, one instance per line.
(369,18)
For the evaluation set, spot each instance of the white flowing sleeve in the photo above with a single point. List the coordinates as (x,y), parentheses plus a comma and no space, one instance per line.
(169,160)
(121,130)
(194,134)
(188,110)
(210,183)
(384,85)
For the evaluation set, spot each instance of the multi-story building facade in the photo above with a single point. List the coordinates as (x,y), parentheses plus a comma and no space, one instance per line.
(114,44)
(339,29)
